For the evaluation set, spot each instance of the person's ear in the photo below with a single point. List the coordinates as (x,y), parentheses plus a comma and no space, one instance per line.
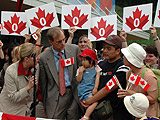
(50,42)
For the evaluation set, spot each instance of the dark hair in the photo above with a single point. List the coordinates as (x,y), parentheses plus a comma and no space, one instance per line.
(90,60)
(10,48)
(152,50)
(53,33)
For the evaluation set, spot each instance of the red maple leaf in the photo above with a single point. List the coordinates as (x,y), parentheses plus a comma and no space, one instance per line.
(102,30)
(15,26)
(142,83)
(138,21)
(68,61)
(132,78)
(76,19)
(110,84)
(42,21)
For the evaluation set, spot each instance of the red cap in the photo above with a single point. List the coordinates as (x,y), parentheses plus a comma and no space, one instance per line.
(90,53)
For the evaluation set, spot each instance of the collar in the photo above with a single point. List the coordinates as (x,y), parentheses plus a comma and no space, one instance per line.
(144,118)
(56,52)
(21,70)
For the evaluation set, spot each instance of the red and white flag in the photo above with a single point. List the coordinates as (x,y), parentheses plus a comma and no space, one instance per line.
(144,84)
(110,84)
(4,116)
(67,62)
(134,79)
(35,36)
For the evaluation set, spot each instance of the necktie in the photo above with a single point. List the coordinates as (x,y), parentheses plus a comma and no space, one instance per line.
(61,76)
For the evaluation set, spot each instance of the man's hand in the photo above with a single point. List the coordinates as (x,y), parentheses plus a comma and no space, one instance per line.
(27,38)
(123,35)
(122,93)
(1,44)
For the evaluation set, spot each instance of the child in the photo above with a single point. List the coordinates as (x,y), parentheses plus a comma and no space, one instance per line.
(88,76)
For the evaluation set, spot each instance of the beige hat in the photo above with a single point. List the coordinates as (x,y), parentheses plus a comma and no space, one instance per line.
(137,104)
(135,54)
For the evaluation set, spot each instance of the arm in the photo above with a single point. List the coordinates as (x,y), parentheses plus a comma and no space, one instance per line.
(154,36)
(99,95)
(89,44)
(71,34)
(123,36)
(96,83)
(27,38)
(1,51)
(38,33)
(80,75)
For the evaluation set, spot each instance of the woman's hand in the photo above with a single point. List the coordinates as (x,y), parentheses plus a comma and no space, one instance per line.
(122,93)
(31,83)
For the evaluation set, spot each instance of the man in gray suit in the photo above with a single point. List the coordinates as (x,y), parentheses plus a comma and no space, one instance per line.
(59,106)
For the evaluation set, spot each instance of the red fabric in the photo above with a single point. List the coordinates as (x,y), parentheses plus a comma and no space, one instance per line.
(37,45)
(39,96)
(19,5)
(15,117)
(21,70)
(61,76)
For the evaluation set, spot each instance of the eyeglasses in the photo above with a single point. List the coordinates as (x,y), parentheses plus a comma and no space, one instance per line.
(60,41)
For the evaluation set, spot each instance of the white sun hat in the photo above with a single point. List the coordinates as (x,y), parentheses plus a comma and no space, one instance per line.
(135,54)
(137,104)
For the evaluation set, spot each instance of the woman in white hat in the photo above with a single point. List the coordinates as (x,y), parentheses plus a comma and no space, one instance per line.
(137,105)
(134,56)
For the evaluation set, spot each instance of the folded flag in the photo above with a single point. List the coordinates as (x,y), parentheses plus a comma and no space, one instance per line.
(111,83)
(67,62)
(35,36)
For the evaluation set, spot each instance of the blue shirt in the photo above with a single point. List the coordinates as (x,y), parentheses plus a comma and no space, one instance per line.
(66,73)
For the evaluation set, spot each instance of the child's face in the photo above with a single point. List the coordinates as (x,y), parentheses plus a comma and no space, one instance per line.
(85,63)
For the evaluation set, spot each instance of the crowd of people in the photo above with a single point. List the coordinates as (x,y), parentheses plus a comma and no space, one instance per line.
(72,90)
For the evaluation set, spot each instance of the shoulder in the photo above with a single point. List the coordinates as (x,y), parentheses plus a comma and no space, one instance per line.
(12,69)
(72,46)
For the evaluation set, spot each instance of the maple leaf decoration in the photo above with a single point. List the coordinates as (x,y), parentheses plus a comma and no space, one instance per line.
(76,19)
(137,21)
(110,83)
(159,14)
(42,21)
(142,83)
(102,30)
(67,61)
(132,78)
(15,26)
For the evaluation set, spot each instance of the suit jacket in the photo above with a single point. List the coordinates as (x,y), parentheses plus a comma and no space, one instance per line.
(14,98)
(48,77)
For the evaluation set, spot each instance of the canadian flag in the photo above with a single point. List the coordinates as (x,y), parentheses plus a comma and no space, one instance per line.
(4,116)
(144,84)
(112,82)
(134,79)
(1,26)
(67,62)
(35,36)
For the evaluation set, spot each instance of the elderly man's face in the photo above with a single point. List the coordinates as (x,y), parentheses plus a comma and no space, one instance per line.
(59,42)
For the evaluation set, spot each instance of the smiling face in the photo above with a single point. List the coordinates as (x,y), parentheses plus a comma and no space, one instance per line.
(83,43)
(151,59)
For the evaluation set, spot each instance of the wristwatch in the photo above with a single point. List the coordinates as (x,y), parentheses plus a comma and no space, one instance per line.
(157,38)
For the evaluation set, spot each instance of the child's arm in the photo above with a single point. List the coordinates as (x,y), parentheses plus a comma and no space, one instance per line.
(96,83)
(80,74)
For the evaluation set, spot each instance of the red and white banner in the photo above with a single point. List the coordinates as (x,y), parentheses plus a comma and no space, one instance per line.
(110,84)
(137,18)
(43,17)
(157,15)
(14,23)
(134,79)
(102,27)
(77,16)
(67,62)
(144,84)
(35,36)
(4,116)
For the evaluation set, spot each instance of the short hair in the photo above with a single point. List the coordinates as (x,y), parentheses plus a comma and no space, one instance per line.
(54,32)
(152,50)
(26,50)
